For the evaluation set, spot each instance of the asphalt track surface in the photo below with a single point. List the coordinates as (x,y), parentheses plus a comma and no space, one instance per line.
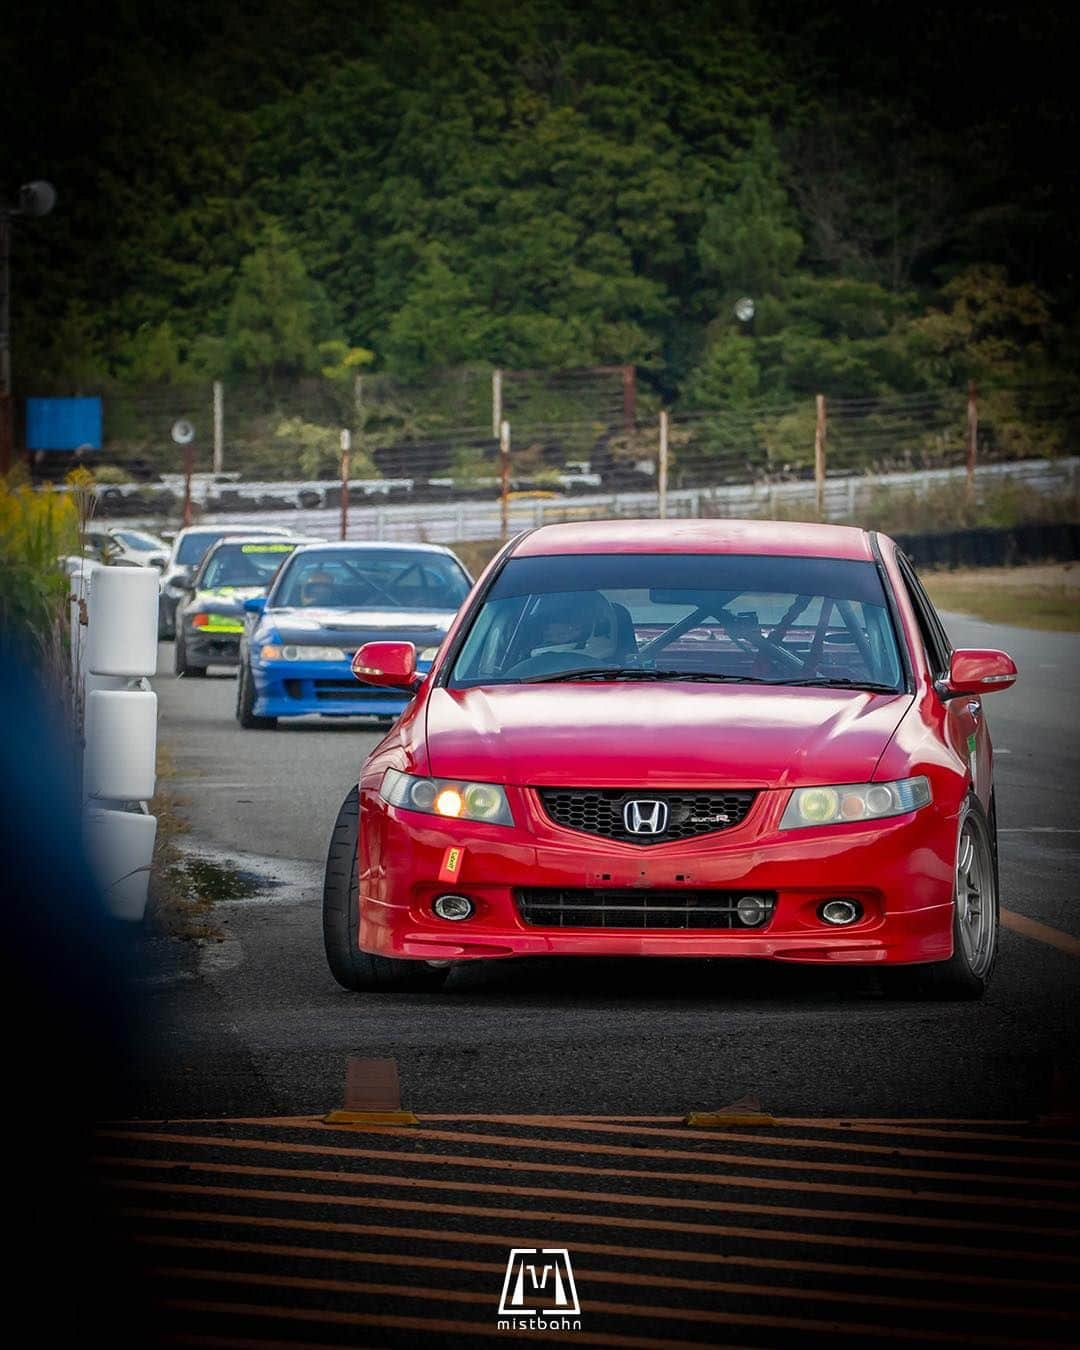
(911,1175)
(256,1026)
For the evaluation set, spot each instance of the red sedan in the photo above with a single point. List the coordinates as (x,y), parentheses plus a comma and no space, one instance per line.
(679,738)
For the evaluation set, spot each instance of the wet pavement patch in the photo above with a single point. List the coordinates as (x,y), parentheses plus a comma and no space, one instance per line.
(214,881)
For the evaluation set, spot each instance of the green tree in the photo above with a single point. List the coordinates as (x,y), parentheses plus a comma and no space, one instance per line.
(750,244)
(278,315)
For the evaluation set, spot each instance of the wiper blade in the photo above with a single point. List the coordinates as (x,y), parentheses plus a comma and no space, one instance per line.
(842,682)
(639,673)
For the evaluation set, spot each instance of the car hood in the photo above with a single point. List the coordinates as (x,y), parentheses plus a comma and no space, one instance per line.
(223,599)
(599,735)
(426,628)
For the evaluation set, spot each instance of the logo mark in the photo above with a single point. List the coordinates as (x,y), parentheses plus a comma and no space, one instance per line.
(539,1282)
(645,817)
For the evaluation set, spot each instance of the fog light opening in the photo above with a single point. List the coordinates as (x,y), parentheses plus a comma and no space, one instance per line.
(840,912)
(752,910)
(454,907)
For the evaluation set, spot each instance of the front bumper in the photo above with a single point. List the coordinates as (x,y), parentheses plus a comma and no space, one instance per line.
(320,688)
(204,648)
(900,870)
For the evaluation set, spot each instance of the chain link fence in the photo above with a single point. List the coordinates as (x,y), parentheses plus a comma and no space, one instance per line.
(577,440)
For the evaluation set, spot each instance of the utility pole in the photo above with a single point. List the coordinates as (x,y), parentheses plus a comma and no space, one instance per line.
(35,199)
(346,446)
(819,454)
(219,426)
(972,437)
(629,398)
(662,468)
(496,402)
(504,479)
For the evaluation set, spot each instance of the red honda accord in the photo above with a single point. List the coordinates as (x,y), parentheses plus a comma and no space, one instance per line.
(679,738)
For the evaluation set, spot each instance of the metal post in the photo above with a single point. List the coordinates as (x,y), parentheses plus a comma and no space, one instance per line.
(219,426)
(504,478)
(7,424)
(819,454)
(972,436)
(346,446)
(629,397)
(496,402)
(189,469)
(661,469)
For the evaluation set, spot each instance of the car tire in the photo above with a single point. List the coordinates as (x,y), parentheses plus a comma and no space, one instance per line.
(245,704)
(352,968)
(976,918)
(180,662)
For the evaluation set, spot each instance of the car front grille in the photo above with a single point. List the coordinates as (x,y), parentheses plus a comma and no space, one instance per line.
(340,691)
(634,908)
(602,811)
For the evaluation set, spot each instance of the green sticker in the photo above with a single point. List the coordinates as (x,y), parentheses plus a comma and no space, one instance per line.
(267,548)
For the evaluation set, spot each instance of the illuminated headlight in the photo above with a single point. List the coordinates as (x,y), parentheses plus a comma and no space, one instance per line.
(854,801)
(447,797)
(294,652)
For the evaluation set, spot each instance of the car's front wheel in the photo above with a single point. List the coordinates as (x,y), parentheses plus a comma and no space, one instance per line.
(245,703)
(352,968)
(976,915)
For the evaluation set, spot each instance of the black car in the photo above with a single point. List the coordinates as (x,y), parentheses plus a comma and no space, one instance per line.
(210,618)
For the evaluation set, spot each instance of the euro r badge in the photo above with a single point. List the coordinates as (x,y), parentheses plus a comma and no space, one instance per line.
(451,864)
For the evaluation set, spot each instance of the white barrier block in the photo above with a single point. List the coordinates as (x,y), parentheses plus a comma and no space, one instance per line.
(120,846)
(123,617)
(121,745)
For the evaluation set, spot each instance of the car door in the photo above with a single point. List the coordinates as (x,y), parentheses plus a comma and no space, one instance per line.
(964,724)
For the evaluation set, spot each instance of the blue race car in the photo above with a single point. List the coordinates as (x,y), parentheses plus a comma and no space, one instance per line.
(325,602)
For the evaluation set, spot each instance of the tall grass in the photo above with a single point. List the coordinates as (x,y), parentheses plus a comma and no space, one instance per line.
(37,528)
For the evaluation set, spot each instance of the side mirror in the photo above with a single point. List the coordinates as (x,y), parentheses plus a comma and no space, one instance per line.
(255,604)
(390,665)
(977,670)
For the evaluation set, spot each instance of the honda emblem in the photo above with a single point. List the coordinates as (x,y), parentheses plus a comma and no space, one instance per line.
(645,817)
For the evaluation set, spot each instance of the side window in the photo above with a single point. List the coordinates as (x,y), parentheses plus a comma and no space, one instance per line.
(935,639)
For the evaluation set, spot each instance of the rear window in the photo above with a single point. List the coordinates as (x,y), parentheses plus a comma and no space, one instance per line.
(729,616)
(248,564)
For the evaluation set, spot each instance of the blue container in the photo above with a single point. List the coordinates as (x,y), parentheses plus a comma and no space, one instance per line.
(63,423)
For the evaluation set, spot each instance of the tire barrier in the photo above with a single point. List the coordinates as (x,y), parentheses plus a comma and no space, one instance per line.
(994,547)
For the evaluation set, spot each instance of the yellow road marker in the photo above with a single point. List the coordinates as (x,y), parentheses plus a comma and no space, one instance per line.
(372,1095)
(746,1111)
(1041,932)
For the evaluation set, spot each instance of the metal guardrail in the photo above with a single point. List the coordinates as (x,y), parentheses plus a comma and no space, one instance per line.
(844,497)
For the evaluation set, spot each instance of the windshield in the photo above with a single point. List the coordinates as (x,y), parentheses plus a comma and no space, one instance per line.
(142,543)
(250,564)
(193,547)
(702,616)
(372,579)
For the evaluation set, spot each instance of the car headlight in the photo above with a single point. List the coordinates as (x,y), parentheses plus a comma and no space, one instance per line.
(427,654)
(295,652)
(447,797)
(854,801)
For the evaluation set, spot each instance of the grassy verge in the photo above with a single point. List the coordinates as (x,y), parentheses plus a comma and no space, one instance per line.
(179,904)
(1043,596)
